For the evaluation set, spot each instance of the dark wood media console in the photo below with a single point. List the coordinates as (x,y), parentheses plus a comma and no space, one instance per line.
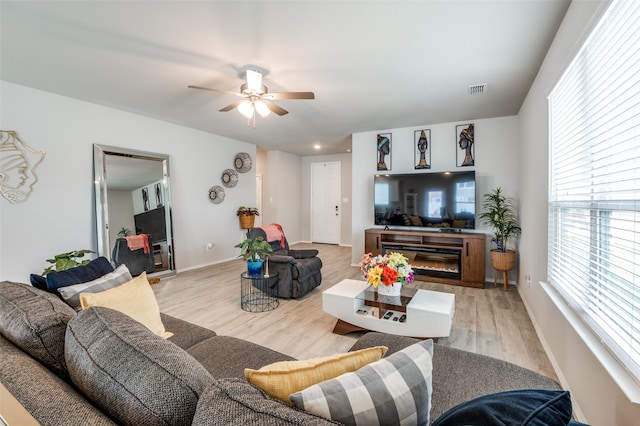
(443,257)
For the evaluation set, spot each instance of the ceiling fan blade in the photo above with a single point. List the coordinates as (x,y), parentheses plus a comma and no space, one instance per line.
(216,90)
(275,108)
(290,95)
(230,106)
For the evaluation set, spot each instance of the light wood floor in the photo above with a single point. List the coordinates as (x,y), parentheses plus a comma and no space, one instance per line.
(487,321)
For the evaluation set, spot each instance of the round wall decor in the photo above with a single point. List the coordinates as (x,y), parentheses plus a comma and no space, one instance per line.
(229,178)
(242,162)
(216,194)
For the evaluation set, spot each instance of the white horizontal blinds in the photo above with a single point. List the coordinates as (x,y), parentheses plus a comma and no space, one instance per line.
(594,183)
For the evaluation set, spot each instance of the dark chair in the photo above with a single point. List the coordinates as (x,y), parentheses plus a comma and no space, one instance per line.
(137,261)
(299,271)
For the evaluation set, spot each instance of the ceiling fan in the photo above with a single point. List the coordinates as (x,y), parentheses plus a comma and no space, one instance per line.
(257,97)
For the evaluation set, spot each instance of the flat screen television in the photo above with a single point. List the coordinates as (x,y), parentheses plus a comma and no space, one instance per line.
(152,223)
(442,200)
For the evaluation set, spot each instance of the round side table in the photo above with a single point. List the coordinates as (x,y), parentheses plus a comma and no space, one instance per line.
(259,293)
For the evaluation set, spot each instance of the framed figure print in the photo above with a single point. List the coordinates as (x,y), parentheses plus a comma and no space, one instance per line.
(465,140)
(422,149)
(384,151)
(145,199)
(158,189)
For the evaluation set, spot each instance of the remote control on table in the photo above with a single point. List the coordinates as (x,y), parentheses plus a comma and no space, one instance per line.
(403,318)
(388,315)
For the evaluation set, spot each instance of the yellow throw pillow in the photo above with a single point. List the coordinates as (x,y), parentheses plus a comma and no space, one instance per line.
(134,298)
(281,379)
(415,220)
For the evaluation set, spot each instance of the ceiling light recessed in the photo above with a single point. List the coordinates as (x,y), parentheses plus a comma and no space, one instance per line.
(476,89)
(316,146)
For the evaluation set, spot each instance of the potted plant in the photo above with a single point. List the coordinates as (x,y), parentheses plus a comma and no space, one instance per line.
(124,232)
(64,261)
(254,250)
(247,216)
(500,215)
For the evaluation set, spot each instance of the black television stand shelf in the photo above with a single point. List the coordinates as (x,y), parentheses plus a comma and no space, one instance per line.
(456,258)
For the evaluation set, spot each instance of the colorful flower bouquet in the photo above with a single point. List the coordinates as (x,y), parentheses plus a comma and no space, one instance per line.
(386,269)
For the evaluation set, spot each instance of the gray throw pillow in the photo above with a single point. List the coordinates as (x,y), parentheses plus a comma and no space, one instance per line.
(132,374)
(394,390)
(234,401)
(35,321)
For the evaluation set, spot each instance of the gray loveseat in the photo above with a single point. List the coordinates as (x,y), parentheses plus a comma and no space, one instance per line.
(131,376)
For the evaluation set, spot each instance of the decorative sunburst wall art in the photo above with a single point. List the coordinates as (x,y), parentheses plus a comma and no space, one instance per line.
(18,163)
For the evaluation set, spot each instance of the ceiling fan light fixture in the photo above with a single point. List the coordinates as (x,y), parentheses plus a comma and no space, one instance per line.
(262,108)
(256,97)
(254,81)
(246,109)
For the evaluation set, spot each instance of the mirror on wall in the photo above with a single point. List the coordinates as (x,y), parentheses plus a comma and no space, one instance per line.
(133,209)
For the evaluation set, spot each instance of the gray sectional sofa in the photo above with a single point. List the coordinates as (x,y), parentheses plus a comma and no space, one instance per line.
(100,367)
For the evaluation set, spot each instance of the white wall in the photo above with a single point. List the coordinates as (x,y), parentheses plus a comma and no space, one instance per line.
(496,154)
(281,192)
(345,195)
(120,214)
(59,216)
(596,396)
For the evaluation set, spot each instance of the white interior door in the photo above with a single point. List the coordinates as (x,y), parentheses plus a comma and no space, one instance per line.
(325,202)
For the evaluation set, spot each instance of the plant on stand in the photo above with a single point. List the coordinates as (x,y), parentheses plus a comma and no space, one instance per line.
(254,250)
(500,215)
(247,216)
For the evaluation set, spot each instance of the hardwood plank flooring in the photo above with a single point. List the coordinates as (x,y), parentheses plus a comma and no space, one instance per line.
(488,321)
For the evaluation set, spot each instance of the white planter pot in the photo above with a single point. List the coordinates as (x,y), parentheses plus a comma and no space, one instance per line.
(390,290)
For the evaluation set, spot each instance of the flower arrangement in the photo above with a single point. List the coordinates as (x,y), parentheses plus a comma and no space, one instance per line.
(386,269)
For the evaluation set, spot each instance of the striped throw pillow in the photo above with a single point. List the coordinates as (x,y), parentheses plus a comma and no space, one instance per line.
(393,390)
(71,294)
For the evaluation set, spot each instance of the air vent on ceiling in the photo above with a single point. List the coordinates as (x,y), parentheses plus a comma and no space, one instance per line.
(476,89)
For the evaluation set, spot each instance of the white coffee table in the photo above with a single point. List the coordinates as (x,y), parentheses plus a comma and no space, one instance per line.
(427,314)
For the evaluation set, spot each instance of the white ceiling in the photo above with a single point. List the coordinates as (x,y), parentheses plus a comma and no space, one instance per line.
(372,64)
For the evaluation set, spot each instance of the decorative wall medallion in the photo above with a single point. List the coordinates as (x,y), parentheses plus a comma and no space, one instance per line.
(216,194)
(229,178)
(18,163)
(242,162)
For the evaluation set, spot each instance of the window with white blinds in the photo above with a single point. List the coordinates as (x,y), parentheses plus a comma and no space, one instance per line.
(594,183)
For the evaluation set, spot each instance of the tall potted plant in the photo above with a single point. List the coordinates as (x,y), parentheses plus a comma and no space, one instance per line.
(254,250)
(500,215)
